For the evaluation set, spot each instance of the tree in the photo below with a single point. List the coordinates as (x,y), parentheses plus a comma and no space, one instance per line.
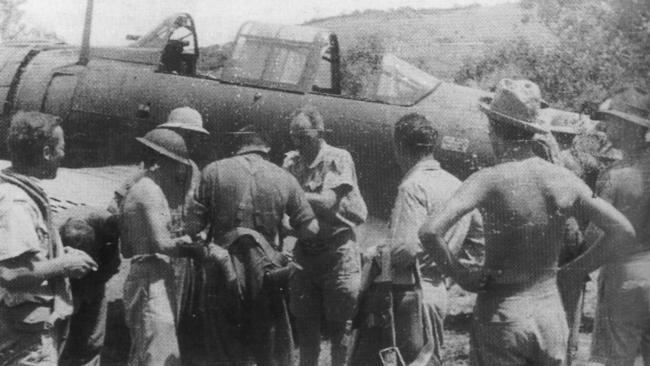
(601,46)
(11,18)
(361,65)
(13,27)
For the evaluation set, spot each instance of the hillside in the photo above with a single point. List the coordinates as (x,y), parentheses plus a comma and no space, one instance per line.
(439,39)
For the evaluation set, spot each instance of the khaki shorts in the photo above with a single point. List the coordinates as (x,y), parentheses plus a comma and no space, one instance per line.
(527,329)
(328,285)
(622,328)
(149,308)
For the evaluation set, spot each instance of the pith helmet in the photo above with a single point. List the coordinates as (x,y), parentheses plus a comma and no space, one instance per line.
(185,118)
(168,143)
(517,103)
(631,104)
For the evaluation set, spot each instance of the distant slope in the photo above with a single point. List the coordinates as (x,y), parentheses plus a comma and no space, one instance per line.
(439,39)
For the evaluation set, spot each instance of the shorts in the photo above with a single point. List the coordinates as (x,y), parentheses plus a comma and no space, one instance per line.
(523,329)
(149,309)
(33,344)
(329,283)
(622,324)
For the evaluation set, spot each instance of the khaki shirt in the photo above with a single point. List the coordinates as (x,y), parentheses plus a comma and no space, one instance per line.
(332,168)
(423,192)
(248,191)
(23,229)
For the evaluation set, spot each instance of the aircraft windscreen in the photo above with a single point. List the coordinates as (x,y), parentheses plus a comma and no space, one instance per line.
(402,83)
(259,59)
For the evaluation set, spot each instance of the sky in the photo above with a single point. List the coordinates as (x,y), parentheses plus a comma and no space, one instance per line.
(217,21)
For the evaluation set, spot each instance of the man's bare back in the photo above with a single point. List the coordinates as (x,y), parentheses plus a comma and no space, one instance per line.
(525,206)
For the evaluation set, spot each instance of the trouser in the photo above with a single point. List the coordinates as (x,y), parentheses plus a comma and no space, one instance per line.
(148,301)
(622,326)
(527,328)
(328,288)
(24,344)
(86,336)
(408,325)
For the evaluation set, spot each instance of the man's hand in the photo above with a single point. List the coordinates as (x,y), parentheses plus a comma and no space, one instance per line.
(187,247)
(76,263)
(472,278)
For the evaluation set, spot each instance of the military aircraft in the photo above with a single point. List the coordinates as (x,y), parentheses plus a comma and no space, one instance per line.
(107,96)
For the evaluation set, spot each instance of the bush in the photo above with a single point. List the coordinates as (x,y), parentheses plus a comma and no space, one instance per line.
(601,46)
(361,65)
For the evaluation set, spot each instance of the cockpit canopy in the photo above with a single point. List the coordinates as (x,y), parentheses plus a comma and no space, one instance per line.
(307,59)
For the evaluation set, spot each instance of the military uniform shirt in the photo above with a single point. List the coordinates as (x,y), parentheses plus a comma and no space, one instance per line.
(249,191)
(423,192)
(332,168)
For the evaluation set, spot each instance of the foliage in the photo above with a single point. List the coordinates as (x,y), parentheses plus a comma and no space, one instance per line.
(13,27)
(361,65)
(601,46)
(11,18)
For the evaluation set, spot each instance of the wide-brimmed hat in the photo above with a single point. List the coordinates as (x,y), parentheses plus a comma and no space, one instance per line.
(168,143)
(185,118)
(631,104)
(517,103)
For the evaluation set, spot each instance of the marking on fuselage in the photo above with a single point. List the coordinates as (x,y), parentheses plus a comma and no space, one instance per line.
(457,144)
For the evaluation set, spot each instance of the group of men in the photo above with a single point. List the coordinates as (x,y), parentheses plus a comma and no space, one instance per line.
(211,280)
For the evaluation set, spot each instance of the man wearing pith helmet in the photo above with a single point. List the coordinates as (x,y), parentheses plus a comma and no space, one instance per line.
(622,326)
(188,123)
(149,241)
(525,200)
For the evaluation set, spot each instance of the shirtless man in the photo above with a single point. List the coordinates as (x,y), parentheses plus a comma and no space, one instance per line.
(525,201)
(623,313)
(147,239)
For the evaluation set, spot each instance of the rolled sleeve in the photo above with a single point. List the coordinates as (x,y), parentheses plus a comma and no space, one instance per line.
(17,232)
(407,217)
(340,174)
(298,208)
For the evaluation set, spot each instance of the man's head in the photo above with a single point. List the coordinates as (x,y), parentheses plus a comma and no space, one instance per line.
(166,151)
(36,144)
(78,234)
(414,139)
(513,113)
(250,139)
(625,118)
(307,129)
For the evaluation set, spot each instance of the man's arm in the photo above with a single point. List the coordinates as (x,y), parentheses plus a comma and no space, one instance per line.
(26,271)
(299,210)
(617,241)
(408,215)
(432,233)
(20,267)
(154,208)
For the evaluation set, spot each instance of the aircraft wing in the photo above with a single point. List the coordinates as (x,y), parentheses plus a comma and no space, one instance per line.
(84,186)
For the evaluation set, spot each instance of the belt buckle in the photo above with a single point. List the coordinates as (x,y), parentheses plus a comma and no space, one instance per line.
(391,356)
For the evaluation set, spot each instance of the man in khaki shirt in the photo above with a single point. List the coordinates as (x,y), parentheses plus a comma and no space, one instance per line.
(329,284)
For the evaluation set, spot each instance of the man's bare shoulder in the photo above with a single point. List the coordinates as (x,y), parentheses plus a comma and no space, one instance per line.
(628,180)
(145,191)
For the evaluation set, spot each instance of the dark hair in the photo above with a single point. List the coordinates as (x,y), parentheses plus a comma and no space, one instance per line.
(415,135)
(312,114)
(509,132)
(250,135)
(78,234)
(28,134)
